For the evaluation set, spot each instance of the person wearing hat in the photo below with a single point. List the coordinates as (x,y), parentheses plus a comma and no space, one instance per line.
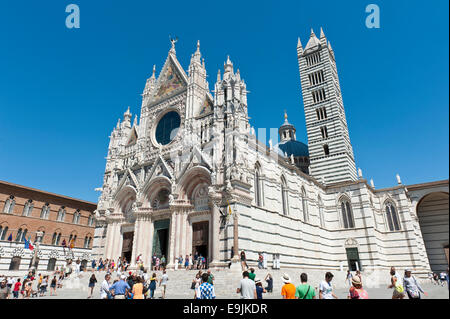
(357,291)
(326,289)
(288,289)
(412,287)
(259,289)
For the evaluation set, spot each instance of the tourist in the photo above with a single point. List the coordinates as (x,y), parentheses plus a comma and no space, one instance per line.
(186,262)
(176,263)
(260,261)
(269,281)
(16,289)
(430,277)
(396,283)
(92,282)
(247,287)
(442,278)
(163,261)
(244,265)
(210,277)
(157,263)
(304,290)
(326,289)
(163,282)
(191,262)
(152,285)
(93,265)
(59,283)
(357,291)
(196,260)
(196,283)
(412,287)
(28,289)
(288,289)
(53,286)
(206,290)
(180,261)
(200,262)
(43,286)
(138,289)
(259,289)
(154,261)
(436,279)
(40,277)
(104,288)
(348,278)
(10,282)
(252,274)
(120,288)
(4,289)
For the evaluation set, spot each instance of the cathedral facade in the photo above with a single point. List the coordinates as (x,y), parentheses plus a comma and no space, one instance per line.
(191,176)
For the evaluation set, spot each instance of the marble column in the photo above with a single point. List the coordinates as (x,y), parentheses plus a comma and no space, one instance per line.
(215,235)
(170,256)
(183,235)
(177,235)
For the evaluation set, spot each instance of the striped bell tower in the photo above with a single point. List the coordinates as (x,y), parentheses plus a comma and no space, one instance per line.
(330,150)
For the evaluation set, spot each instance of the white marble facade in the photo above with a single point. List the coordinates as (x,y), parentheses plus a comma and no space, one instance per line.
(158,185)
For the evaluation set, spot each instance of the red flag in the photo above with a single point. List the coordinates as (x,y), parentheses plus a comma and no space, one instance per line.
(30,246)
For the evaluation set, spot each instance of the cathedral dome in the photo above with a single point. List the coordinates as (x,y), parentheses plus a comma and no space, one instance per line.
(293,147)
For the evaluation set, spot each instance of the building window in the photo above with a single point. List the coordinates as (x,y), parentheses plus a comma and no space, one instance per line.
(353,260)
(56,238)
(3,232)
(321,113)
(87,242)
(28,208)
(15,263)
(324,132)
(61,214)
(76,217)
(91,220)
(51,264)
(9,205)
(321,217)
(305,206)
(347,215)
(40,239)
(258,188)
(392,217)
(326,150)
(45,211)
(284,196)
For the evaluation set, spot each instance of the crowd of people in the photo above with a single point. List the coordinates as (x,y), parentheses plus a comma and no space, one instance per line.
(142,282)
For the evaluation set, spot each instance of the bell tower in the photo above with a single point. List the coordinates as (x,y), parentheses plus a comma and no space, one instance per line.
(330,150)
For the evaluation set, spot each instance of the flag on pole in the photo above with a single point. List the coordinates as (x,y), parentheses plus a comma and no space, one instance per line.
(27,244)
(10,237)
(72,244)
(30,245)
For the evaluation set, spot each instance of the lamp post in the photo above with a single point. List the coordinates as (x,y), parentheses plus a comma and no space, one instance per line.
(39,235)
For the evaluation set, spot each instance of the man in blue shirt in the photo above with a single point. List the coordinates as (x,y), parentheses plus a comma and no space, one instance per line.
(120,288)
(206,290)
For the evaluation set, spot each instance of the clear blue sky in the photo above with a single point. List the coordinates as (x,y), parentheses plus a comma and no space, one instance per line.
(62,90)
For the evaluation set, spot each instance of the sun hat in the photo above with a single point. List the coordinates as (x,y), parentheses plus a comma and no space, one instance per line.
(286,279)
(356,280)
(123,277)
(407,270)
(257,280)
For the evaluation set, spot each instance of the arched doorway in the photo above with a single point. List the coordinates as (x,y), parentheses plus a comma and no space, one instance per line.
(433,213)
(51,264)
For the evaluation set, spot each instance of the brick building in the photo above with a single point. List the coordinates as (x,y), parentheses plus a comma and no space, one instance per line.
(25,211)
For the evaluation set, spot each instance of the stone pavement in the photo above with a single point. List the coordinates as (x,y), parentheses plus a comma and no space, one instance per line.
(180,282)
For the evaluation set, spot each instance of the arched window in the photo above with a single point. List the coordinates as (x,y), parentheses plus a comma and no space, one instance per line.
(305,206)
(55,236)
(284,196)
(45,211)
(61,214)
(41,239)
(321,217)
(258,192)
(58,239)
(347,214)
(85,245)
(91,220)
(9,205)
(392,217)
(19,234)
(24,235)
(27,208)
(89,242)
(76,217)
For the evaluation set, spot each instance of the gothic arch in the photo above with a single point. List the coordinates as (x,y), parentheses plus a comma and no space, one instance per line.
(191,179)
(150,191)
